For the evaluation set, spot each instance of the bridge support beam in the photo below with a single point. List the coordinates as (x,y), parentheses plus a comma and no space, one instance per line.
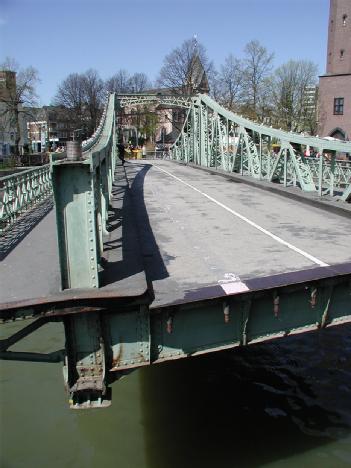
(85,362)
(105,343)
(78,229)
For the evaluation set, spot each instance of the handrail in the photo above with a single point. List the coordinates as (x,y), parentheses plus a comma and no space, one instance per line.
(21,191)
(92,140)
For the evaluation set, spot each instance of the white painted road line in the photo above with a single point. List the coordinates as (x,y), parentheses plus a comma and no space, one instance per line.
(248,221)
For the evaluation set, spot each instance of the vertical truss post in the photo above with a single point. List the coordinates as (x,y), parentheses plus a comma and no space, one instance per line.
(201,135)
(320,172)
(260,157)
(332,174)
(228,154)
(197,156)
(285,166)
(208,155)
(74,188)
(82,189)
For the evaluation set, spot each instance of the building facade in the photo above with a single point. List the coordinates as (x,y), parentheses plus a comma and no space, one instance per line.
(52,126)
(335,86)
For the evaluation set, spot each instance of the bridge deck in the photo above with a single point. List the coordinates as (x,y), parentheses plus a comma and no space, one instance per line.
(198,234)
(208,230)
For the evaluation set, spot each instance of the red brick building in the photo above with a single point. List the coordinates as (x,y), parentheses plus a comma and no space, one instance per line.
(335,85)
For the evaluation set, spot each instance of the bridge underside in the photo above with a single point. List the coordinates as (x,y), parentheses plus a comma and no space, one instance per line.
(193,263)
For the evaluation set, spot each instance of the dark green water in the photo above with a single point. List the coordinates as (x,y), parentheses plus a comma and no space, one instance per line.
(283,404)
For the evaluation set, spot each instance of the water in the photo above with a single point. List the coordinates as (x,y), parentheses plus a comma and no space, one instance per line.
(282,404)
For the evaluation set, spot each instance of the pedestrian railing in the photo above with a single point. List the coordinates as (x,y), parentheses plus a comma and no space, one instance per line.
(215,137)
(334,175)
(22,191)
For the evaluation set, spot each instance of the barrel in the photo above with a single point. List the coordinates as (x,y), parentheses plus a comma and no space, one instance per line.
(74,150)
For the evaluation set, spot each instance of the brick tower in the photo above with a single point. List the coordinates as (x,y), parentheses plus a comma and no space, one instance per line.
(335,85)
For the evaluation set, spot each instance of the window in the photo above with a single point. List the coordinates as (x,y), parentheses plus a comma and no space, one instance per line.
(342,54)
(339,106)
(344,18)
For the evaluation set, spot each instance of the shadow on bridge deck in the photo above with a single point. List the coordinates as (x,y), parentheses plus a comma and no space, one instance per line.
(131,248)
(30,275)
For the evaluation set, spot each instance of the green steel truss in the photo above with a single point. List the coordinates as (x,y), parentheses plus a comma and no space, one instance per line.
(82,192)
(107,342)
(214,137)
(108,336)
(130,100)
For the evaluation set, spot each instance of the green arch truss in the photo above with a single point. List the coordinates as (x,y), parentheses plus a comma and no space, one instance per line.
(214,137)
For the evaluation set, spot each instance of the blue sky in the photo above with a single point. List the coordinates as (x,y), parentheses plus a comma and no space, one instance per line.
(59,37)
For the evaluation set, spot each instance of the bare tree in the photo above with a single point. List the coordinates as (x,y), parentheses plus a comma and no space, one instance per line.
(119,83)
(257,67)
(139,83)
(230,82)
(294,95)
(93,88)
(19,95)
(82,94)
(181,68)
(70,94)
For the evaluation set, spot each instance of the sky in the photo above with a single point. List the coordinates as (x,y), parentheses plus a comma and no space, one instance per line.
(59,37)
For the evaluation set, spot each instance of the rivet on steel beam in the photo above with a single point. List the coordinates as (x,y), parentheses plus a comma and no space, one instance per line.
(169,324)
(276,304)
(313,300)
(226,312)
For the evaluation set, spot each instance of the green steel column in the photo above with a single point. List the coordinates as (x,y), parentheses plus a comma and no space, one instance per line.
(320,172)
(285,166)
(73,185)
(201,135)
(332,174)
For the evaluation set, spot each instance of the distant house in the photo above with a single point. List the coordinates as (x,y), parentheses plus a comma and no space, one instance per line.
(50,127)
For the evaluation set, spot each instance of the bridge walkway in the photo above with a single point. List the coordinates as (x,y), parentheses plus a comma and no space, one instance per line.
(198,235)
(210,231)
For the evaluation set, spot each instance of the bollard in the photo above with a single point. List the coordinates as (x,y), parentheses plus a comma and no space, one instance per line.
(74,150)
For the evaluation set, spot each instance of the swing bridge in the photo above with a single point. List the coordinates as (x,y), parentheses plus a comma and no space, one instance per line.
(236,238)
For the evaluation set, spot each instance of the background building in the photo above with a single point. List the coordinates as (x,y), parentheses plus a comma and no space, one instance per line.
(50,127)
(8,124)
(335,85)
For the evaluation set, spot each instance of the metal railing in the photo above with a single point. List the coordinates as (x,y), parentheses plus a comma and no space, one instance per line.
(337,173)
(22,191)
(213,136)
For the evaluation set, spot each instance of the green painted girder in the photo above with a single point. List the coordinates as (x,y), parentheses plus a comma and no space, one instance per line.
(82,192)
(126,100)
(205,138)
(105,344)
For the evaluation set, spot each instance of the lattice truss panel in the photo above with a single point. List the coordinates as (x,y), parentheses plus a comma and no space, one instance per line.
(214,137)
